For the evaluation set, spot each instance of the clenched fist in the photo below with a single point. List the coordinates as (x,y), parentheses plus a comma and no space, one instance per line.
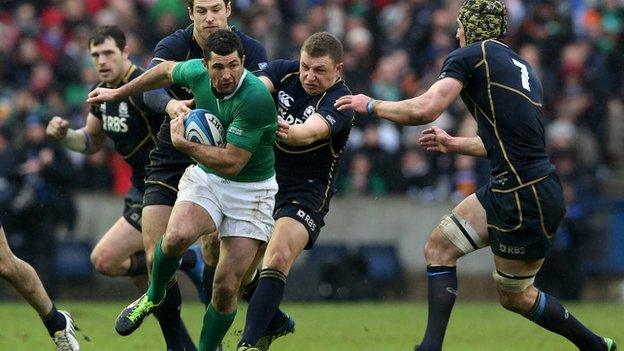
(57,128)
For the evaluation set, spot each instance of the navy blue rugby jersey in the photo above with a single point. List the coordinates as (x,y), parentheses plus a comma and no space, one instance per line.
(132,126)
(504,94)
(181,46)
(317,161)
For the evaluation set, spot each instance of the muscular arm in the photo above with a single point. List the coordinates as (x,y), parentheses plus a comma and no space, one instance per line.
(156,77)
(436,139)
(228,161)
(422,109)
(87,140)
(313,129)
(157,99)
(419,110)
(471,146)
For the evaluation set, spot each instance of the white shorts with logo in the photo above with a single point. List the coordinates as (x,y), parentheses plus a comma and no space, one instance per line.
(242,209)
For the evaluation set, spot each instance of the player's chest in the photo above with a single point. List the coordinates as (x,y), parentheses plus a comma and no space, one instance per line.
(294,105)
(120,118)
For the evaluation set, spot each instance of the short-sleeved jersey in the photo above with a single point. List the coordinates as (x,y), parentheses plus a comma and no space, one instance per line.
(132,126)
(248,115)
(181,46)
(504,94)
(316,161)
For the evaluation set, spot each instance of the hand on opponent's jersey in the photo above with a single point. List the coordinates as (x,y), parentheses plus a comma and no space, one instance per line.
(99,95)
(57,128)
(179,108)
(282,128)
(436,139)
(357,103)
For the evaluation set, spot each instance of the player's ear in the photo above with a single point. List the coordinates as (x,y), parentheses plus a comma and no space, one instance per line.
(228,9)
(339,68)
(125,52)
(190,13)
(243,61)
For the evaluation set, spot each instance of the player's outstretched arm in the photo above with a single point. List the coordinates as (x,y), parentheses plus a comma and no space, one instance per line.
(422,109)
(313,129)
(154,78)
(87,140)
(436,139)
(228,161)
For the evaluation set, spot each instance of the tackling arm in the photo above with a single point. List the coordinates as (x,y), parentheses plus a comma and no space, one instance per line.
(422,109)
(154,78)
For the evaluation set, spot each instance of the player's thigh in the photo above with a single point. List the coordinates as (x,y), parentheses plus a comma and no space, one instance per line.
(462,231)
(154,224)
(472,211)
(289,239)
(188,221)
(120,241)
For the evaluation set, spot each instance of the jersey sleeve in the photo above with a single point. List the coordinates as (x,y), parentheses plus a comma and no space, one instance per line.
(337,120)
(186,73)
(276,70)
(460,63)
(252,121)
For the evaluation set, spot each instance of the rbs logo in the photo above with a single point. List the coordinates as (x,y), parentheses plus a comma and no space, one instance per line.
(306,218)
(114,124)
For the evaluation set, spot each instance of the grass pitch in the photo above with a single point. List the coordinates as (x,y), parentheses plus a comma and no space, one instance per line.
(323,327)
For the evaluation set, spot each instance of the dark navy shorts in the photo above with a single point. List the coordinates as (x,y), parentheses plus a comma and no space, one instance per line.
(167,164)
(521,221)
(303,200)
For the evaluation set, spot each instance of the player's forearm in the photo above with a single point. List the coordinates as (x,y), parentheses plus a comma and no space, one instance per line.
(414,111)
(471,146)
(299,135)
(154,78)
(216,158)
(82,141)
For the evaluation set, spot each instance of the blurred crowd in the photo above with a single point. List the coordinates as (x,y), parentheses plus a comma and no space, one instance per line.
(393,50)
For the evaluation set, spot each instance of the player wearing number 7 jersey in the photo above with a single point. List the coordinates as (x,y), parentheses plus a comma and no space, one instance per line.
(521,206)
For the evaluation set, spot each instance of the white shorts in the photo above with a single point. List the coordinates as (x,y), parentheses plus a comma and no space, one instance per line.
(237,208)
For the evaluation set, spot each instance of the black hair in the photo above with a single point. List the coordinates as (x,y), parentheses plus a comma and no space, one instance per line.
(99,35)
(223,42)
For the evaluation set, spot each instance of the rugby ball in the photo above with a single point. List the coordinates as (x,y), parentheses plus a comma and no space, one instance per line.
(202,126)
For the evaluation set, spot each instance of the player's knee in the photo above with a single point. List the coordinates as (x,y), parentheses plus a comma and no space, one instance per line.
(103,261)
(177,240)
(278,259)
(438,251)
(8,267)
(513,291)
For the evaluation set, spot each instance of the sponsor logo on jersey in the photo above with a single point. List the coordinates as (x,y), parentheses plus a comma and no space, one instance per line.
(306,218)
(284,99)
(262,65)
(330,119)
(235,131)
(510,249)
(123,110)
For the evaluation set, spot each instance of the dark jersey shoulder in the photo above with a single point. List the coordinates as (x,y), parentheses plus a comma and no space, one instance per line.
(132,126)
(504,94)
(315,162)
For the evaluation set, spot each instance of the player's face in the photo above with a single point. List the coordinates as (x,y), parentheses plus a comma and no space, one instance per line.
(208,16)
(108,60)
(318,74)
(225,71)
(460,35)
